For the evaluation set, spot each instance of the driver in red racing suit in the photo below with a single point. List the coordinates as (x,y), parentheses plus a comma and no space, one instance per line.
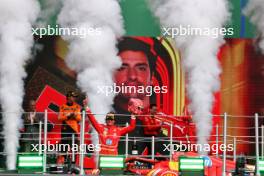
(110,134)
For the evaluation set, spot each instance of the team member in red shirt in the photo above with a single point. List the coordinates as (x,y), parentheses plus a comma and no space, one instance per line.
(151,127)
(151,124)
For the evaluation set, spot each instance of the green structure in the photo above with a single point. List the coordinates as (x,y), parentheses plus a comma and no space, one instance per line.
(139,21)
(30,163)
(111,164)
(191,166)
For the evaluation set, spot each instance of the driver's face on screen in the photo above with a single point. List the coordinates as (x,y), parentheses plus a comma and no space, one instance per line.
(134,71)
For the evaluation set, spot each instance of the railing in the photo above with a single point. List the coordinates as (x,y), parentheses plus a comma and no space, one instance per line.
(224,138)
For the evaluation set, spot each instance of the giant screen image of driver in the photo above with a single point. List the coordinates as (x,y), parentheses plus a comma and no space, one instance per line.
(138,66)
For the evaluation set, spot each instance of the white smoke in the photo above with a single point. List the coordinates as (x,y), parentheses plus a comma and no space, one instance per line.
(16,40)
(255,10)
(49,10)
(93,57)
(199,52)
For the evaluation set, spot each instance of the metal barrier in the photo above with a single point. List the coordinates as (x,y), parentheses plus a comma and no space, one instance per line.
(236,140)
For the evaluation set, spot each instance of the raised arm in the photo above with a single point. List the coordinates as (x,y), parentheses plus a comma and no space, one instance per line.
(93,121)
(131,126)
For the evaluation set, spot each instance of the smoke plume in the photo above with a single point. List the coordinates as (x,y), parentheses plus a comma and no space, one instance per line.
(93,57)
(199,52)
(16,18)
(255,10)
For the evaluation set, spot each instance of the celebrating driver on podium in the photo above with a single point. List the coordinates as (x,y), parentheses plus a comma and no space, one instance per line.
(109,134)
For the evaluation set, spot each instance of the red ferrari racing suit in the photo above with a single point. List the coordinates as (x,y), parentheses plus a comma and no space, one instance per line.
(151,125)
(109,135)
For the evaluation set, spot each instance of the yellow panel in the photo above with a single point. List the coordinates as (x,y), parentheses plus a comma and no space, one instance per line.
(173,165)
(178,77)
(238,53)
